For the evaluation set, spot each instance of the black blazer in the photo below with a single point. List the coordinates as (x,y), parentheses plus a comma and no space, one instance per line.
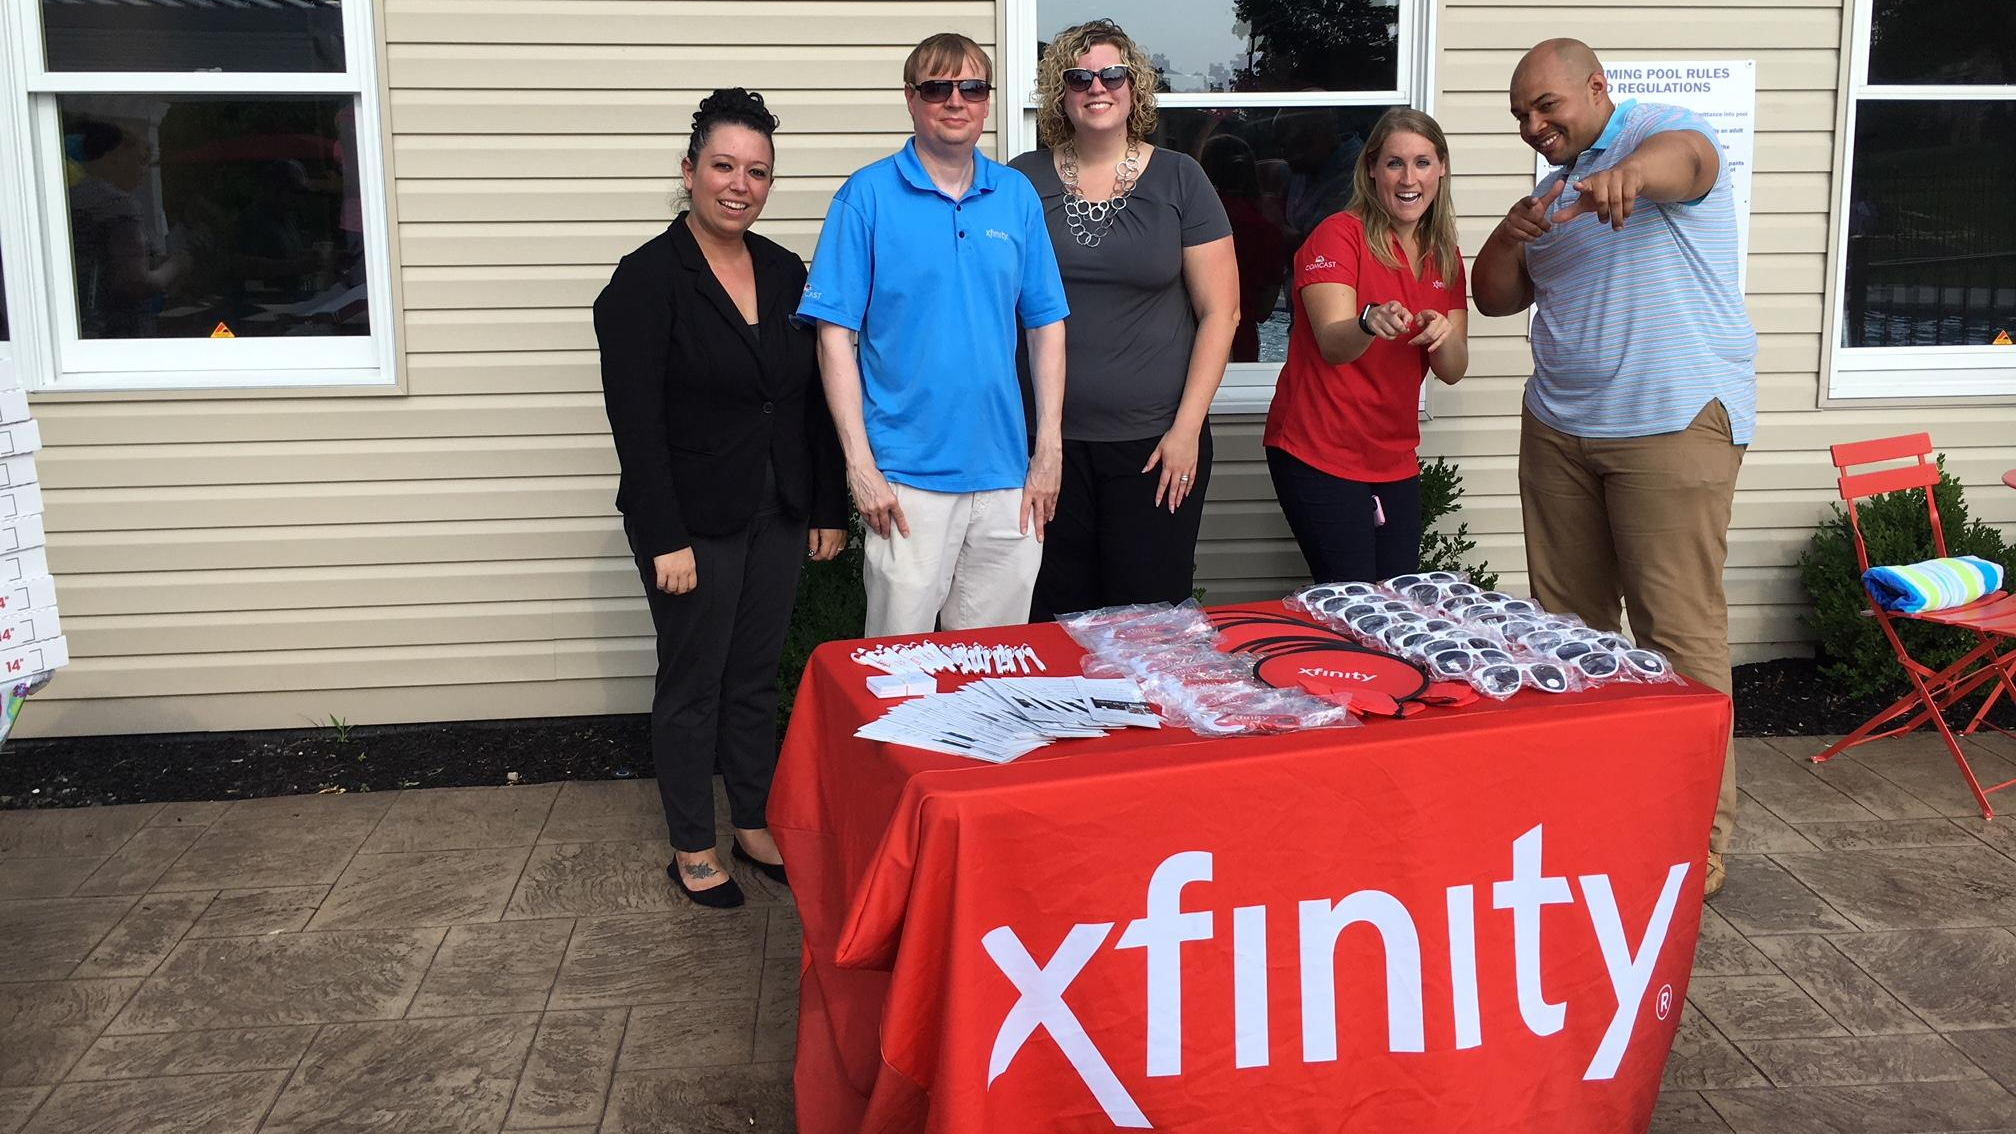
(697,404)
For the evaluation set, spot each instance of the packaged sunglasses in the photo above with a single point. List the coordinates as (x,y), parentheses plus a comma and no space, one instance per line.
(1431,588)
(1458,660)
(1438,578)
(1602,640)
(1649,666)
(1404,624)
(1507,604)
(1308,597)
(1602,667)
(1537,634)
(1598,668)
(1501,680)
(1369,623)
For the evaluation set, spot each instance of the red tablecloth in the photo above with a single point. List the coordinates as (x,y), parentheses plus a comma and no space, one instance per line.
(1418,926)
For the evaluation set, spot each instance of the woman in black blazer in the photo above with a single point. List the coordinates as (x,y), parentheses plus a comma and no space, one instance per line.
(731,476)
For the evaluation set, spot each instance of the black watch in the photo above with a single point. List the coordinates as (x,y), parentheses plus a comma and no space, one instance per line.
(1362,324)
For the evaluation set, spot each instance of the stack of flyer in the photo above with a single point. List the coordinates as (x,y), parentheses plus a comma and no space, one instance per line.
(31,638)
(997,719)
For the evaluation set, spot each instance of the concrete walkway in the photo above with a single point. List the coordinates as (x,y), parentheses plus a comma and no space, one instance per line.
(478,959)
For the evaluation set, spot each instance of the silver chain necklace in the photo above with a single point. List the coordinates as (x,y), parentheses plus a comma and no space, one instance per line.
(1090,221)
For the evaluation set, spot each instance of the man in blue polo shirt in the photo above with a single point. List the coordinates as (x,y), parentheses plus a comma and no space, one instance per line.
(935,256)
(1644,387)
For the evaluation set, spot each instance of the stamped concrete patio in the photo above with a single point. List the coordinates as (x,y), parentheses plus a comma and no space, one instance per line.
(482,959)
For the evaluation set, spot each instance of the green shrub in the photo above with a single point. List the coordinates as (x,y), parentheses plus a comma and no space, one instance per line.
(1448,550)
(831,608)
(1853,652)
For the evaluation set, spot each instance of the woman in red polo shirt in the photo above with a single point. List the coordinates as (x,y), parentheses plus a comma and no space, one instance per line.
(1379,304)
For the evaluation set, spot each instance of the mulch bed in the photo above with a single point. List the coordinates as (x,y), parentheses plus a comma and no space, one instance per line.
(1776,698)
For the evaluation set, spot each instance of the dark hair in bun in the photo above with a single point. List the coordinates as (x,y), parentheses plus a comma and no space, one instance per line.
(730,106)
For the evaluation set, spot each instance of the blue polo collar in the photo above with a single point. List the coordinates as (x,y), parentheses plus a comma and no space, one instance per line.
(1614,127)
(912,168)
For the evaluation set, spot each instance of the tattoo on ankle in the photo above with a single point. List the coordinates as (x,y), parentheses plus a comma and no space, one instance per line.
(698,870)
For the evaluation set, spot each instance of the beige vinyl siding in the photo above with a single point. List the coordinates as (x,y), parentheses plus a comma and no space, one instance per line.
(449,552)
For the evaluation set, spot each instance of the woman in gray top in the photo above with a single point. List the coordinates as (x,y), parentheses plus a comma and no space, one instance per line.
(1146,253)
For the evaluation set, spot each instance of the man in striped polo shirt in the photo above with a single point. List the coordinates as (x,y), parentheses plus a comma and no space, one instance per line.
(1644,387)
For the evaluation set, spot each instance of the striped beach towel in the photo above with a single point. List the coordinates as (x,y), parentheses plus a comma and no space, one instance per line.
(1936,584)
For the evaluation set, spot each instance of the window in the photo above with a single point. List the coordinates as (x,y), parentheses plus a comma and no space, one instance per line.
(7,379)
(205,202)
(1274,99)
(1927,255)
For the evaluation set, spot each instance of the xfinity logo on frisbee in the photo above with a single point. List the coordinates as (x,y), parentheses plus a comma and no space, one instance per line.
(1164,926)
(1318,671)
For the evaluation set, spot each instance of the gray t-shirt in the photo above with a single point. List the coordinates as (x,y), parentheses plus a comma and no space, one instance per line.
(1131,327)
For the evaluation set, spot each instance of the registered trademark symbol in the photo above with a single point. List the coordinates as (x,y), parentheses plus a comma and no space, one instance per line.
(1665,1001)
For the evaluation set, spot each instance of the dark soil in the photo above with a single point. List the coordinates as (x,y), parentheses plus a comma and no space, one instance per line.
(1777,698)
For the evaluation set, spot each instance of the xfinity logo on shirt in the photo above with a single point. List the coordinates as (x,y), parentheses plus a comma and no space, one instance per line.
(1164,926)
(997,234)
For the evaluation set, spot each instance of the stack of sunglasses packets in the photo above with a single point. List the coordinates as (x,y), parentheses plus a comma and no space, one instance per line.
(1172,653)
(1499,643)
(1587,657)
(1378,616)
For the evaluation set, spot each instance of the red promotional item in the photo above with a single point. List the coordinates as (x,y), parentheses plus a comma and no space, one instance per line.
(1481,919)
(1324,670)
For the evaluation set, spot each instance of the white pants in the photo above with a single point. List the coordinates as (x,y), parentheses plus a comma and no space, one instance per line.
(964,564)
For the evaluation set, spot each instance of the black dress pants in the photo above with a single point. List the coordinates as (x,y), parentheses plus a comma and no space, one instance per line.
(715,704)
(1334,521)
(1109,544)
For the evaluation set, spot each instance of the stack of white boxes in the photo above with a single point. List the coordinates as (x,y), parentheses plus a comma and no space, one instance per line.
(31,638)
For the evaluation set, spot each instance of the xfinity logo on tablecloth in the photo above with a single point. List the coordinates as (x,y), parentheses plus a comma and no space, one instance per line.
(1164,926)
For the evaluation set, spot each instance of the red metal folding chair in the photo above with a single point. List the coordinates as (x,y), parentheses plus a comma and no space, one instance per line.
(1991,619)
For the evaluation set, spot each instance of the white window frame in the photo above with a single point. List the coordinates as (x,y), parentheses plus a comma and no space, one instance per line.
(1901,372)
(1248,386)
(34,224)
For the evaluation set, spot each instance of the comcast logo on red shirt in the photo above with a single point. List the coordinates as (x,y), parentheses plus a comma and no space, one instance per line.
(1515,904)
(1321,262)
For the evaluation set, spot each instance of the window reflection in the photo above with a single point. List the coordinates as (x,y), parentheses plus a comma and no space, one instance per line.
(1955,42)
(1931,239)
(191,212)
(293,36)
(1280,172)
(1203,46)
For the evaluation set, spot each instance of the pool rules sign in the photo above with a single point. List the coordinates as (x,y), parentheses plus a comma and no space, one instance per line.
(1723,91)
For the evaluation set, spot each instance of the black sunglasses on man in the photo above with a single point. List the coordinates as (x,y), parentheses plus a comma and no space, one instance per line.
(938,90)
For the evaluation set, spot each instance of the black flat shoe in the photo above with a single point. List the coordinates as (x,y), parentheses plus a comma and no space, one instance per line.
(726,896)
(771,870)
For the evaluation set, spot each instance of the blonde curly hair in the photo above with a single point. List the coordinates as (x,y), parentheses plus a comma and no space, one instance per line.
(1053,126)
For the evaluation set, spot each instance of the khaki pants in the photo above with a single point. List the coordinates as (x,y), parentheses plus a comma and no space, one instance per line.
(964,564)
(1644,521)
